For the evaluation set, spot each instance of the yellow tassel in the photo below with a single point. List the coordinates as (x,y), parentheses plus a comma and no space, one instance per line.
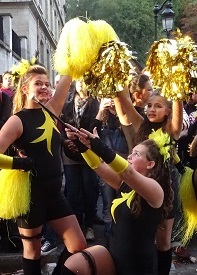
(103,33)
(189,205)
(75,51)
(14,193)
(79,45)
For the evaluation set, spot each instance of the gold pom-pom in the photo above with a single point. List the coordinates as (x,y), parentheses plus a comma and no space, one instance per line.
(110,72)
(14,193)
(93,51)
(170,66)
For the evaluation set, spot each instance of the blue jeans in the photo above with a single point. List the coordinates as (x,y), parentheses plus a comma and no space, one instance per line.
(108,194)
(82,192)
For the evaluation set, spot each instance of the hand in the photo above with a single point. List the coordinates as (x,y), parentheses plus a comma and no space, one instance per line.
(70,134)
(25,164)
(83,135)
(105,104)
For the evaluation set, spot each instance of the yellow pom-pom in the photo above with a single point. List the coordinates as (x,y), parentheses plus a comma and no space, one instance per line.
(14,193)
(163,141)
(75,51)
(103,32)
(189,205)
(79,45)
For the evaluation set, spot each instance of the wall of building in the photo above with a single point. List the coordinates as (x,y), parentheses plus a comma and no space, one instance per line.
(38,24)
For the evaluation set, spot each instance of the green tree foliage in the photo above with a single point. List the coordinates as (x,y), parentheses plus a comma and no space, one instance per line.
(188,20)
(132,20)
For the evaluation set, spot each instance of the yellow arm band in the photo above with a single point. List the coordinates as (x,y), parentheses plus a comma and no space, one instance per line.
(5,162)
(119,164)
(92,159)
(176,158)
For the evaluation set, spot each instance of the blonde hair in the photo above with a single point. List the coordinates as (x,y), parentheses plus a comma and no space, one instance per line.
(19,97)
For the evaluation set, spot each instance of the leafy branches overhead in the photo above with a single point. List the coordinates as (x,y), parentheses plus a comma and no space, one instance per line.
(133,21)
(189,19)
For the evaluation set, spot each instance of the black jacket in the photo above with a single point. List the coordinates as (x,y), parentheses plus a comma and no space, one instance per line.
(87,120)
(5,108)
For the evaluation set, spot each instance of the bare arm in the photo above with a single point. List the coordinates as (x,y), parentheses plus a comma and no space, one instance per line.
(177,119)
(126,111)
(11,130)
(109,176)
(146,187)
(55,104)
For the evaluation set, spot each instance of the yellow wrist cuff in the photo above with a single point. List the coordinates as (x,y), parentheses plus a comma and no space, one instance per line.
(5,162)
(92,159)
(176,158)
(119,164)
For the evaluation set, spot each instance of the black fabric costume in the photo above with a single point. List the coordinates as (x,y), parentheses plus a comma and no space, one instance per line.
(132,239)
(41,141)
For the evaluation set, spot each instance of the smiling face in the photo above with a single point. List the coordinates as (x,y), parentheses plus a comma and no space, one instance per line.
(139,159)
(39,86)
(157,109)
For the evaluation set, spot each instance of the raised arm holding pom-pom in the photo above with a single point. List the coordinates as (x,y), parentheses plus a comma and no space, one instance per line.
(33,130)
(161,115)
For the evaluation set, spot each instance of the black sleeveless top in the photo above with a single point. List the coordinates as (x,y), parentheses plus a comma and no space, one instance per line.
(41,141)
(132,239)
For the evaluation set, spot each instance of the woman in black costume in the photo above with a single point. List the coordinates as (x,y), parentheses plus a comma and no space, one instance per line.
(34,131)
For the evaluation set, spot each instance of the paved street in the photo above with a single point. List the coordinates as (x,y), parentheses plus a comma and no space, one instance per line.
(11,264)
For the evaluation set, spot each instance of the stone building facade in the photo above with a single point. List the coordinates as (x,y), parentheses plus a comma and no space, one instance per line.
(27,27)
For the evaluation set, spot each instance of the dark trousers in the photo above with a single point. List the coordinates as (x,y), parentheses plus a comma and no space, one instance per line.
(82,192)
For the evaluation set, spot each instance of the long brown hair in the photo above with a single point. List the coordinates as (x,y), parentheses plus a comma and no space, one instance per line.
(19,97)
(160,172)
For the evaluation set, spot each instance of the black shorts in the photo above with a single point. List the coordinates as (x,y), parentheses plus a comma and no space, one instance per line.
(47,203)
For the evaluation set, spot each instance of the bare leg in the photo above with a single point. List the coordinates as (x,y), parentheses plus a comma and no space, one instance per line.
(31,239)
(69,230)
(101,261)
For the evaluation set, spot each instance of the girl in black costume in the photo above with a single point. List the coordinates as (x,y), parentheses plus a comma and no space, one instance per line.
(168,116)
(143,201)
(33,130)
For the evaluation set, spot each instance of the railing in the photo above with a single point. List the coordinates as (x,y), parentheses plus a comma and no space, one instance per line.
(16,43)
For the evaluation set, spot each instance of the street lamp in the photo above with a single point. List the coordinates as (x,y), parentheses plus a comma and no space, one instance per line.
(167,17)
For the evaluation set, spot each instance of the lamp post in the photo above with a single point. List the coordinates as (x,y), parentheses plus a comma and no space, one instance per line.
(167,17)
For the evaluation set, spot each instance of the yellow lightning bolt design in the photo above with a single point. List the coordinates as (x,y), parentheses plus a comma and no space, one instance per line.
(125,197)
(48,127)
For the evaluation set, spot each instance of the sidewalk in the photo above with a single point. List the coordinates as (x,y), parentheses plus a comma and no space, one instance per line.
(10,263)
